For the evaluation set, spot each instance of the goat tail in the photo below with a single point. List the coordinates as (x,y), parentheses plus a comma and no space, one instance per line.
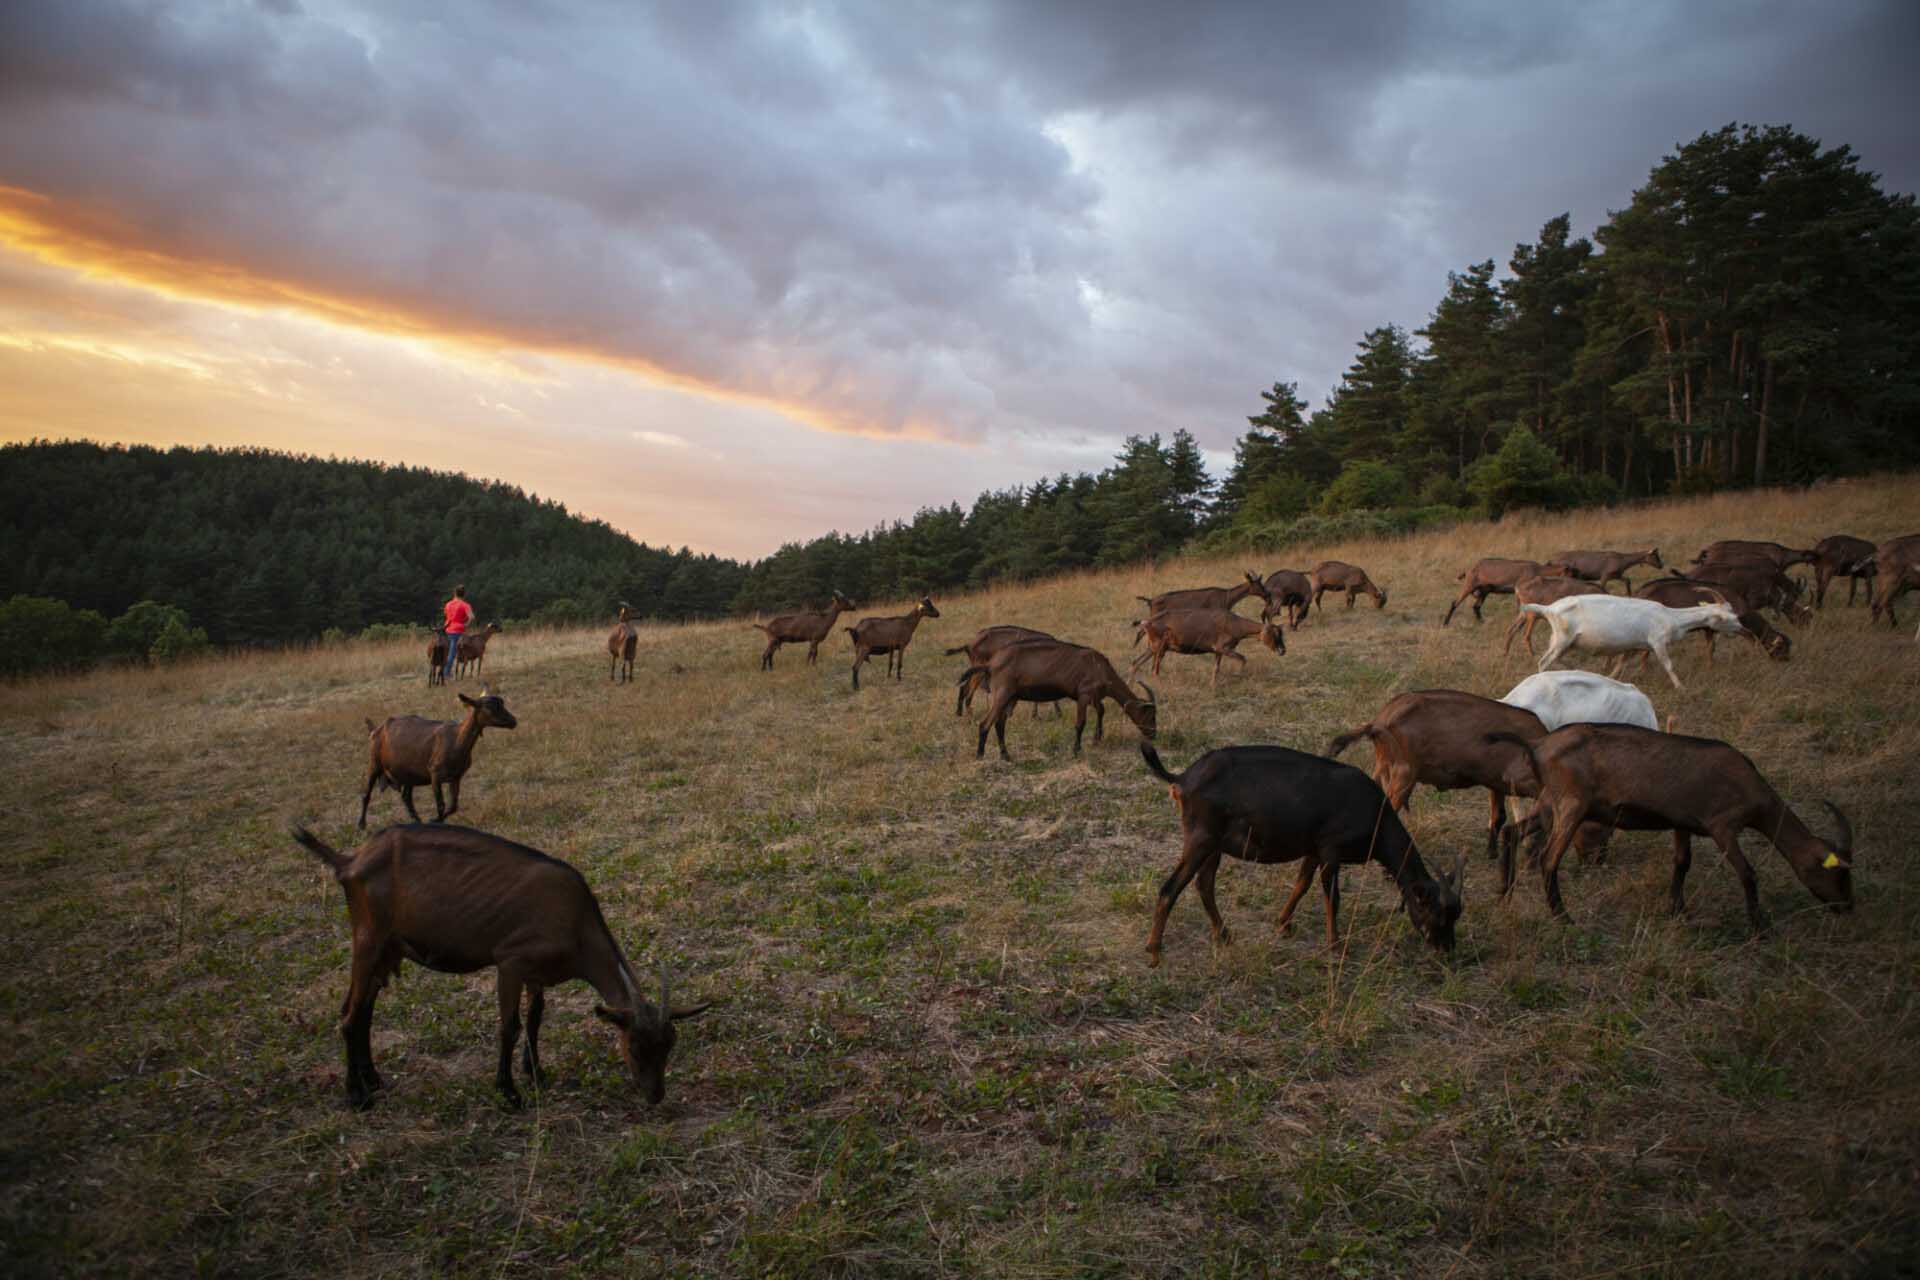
(1152,758)
(1346,740)
(318,848)
(1144,599)
(1540,609)
(971,672)
(1533,761)
(372,728)
(757,627)
(951,652)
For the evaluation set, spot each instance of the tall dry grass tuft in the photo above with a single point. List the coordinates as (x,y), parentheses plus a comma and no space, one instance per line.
(941,1051)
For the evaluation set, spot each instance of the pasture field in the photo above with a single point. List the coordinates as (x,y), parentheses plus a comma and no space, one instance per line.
(940,1051)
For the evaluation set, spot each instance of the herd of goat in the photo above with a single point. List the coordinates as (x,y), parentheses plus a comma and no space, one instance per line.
(1587,749)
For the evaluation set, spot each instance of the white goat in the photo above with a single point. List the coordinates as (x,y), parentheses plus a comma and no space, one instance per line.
(1581,697)
(1621,626)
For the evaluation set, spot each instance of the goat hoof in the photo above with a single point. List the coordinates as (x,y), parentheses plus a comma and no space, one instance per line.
(510,1098)
(1153,957)
(1223,937)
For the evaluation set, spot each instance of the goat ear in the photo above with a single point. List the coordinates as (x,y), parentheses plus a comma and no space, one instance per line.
(694,1012)
(618,1017)
(464,698)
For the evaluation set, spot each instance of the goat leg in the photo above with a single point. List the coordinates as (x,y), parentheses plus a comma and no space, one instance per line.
(1564,826)
(1330,888)
(1196,853)
(510,983)
(1301,883)
(1730,849)
(1204,882)
(406,798)
(1682,861)
(530,1051)
(1495,823)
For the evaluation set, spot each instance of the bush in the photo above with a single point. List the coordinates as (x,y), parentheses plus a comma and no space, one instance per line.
(1363,485)
(332,638)
(1443,490)
(134,632)
(563,612)
(388,631)
(177,640)
(38,633)
(1523,473)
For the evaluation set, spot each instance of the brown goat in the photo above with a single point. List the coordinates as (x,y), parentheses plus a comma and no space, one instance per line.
(1491,576)
(457,900)
(1841,556)
(801,628)
(437,659)
(1603,566)
(1759,583)
(1896,570)
(1050,670)
(411,751)
(1273,804)
(1782,557)
(1544,589)
(621,644)
(1679,593)
(1638,779)
(472,657)
(980,650)
(890,636)
(1197,631)
(1438,737)
(1289,589)
(1208,597)
(1334,575)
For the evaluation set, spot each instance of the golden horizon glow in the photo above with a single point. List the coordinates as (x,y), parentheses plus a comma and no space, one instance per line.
(99,246)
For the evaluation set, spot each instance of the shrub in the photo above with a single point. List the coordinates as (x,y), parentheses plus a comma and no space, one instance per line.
(1364,485)
(38,633)
(388,631)
(177,640)
(134,632)
(1523,473)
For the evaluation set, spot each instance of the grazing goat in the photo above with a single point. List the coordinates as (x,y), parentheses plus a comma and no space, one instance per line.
(472,657)
(1639,779)
(1208,597)
(1288,589)
(890,636)
(980,650)
(1603,566)
(801,628)
(1757,582)
(621,644)
(1621,625)
(1272,804)
(1197,631)
(411,751)
(1896,570)
(1780,556)
(1841,556)
(457,900)
(1439,737)
(1490,576)
(1333,575)
(1049,670)
(1543,590)
(1678,593)
(1561,698)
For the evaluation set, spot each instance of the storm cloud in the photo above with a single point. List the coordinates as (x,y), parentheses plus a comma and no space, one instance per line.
(956,221)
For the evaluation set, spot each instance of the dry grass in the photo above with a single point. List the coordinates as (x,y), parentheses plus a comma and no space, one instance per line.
(940,1051)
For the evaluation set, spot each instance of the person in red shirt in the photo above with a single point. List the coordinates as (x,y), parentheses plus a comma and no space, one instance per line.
(458,613)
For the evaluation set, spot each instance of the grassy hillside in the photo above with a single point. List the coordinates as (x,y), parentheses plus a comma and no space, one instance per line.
(940,1050)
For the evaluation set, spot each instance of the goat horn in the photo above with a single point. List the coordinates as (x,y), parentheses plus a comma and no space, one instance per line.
(1152,701)
(1845,830)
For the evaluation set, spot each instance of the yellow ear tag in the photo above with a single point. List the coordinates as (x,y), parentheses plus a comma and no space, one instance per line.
(1833,860)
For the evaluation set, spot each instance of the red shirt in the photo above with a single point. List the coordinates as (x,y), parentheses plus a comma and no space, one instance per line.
(458,611)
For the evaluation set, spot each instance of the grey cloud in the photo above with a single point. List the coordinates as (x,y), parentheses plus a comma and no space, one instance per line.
(996,220)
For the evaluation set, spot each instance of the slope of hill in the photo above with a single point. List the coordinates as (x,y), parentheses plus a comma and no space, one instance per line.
(264,547)
(940,1051)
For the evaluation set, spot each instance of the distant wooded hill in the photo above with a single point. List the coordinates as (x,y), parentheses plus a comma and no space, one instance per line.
(261,547)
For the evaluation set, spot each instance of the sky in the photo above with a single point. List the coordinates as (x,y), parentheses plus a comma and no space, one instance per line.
(733,275)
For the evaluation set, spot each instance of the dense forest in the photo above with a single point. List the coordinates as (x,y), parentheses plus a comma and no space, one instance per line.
(1751,316)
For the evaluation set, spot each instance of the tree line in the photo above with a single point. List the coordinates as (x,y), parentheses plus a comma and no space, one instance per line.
(1751,316)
